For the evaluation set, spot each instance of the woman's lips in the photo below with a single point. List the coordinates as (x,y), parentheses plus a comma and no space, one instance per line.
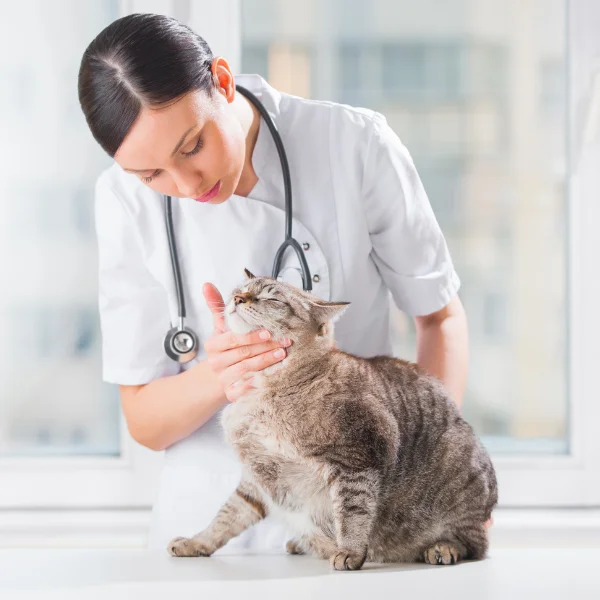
(214,191)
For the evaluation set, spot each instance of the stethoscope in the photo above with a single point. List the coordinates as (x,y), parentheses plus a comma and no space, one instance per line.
(181,342)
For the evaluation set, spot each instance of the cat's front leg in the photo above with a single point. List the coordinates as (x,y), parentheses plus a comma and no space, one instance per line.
(319,544)
(354,496)
(243,509)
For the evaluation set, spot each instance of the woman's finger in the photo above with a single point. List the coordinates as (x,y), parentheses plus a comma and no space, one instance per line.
(251,365)
(229,340)
(216,305)
(222,360)
(234,392)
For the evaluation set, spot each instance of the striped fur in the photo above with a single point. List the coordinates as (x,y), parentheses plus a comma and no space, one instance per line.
(365,458)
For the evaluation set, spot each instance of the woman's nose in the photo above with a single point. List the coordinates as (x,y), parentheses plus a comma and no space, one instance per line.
(189,185)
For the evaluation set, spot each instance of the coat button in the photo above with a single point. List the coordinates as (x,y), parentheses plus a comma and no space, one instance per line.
(316,278)
(305,245)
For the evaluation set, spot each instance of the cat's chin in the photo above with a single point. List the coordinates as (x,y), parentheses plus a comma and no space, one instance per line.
(237,324)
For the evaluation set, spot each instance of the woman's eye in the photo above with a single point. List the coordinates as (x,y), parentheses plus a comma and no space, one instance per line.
(196,148)
(151,177)
(193,151)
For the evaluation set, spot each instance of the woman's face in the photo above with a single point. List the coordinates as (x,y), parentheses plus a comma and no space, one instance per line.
(193,148)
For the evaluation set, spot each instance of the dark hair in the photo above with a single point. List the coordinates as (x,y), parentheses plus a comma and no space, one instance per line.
(139,60)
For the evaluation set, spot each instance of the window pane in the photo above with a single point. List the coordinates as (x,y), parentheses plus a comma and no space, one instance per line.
(476,91)
(52,400)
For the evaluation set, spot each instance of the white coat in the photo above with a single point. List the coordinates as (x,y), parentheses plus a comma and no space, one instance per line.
(360,210)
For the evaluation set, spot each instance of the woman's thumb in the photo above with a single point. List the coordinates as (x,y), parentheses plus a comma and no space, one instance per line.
(217,306)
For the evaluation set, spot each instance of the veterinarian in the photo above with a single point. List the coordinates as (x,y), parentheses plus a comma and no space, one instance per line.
(168,113)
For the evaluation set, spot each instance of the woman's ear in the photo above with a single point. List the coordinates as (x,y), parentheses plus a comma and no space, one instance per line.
(223,77)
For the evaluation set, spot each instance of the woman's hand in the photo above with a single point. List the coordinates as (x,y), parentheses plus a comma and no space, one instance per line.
(233,356)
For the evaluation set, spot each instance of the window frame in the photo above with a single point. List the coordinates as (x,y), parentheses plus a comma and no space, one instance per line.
(130,480)
(573,479)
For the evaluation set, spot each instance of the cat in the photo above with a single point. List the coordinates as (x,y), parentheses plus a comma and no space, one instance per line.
(367,459)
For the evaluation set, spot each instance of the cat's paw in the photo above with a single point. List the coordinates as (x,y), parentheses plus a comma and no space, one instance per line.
(181,546)
(442,553)
(347,560)
(292,547)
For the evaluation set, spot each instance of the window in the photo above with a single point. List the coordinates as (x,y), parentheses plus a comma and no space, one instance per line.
(493,116)
(552,88)
(421,71)
(256,58)
(62,437)
(481,106)
(50,312)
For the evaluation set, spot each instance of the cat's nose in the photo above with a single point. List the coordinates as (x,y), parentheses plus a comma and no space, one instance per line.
(239,299)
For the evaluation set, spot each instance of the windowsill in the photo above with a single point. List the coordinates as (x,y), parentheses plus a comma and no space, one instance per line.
(528,527)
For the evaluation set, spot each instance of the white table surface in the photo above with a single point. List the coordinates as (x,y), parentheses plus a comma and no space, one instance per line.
(548,573)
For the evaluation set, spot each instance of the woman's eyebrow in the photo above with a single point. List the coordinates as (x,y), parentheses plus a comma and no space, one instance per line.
(179,144)
(182,140)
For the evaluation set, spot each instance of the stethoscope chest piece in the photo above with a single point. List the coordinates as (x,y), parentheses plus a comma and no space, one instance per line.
(181,344)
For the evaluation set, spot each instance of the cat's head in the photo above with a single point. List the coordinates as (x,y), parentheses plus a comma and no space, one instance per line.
(283,309)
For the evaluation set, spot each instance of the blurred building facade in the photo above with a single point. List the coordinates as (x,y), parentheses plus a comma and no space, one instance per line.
(476,91)
(474,88)
(53,400)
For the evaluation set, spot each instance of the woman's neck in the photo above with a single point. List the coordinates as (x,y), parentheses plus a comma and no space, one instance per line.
(250,121)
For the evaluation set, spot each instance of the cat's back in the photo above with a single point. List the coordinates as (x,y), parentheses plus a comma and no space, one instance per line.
(414,396)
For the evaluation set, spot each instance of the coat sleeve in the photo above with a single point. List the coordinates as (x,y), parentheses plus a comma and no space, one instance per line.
(408,246)
(133,305)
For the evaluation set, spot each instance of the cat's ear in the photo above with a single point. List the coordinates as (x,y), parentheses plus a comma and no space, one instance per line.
(328,311)
(248,274)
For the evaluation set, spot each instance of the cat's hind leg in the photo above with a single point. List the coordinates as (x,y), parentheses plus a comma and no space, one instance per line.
(475,539)
(467,543)
(445,553)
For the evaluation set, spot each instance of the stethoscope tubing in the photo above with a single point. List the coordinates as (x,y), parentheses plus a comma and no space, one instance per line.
(289,242)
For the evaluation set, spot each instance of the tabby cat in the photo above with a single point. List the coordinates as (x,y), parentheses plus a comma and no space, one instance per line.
(367,459)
